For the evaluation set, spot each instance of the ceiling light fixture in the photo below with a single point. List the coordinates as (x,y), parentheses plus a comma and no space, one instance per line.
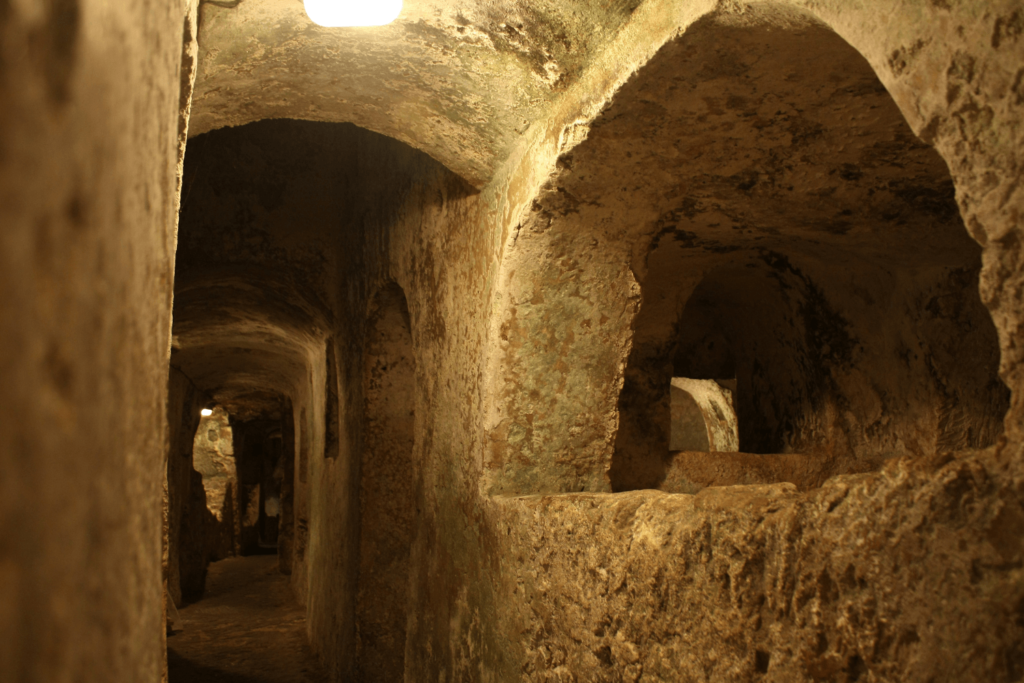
(336,13)
(206,412)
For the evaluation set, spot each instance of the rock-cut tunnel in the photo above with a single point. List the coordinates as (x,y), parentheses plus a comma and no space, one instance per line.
(644,340)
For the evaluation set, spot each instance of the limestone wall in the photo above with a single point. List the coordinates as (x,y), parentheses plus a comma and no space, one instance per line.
(884,576)
(88,133)
(388,498)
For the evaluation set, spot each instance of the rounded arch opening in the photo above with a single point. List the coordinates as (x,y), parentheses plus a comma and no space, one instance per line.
(808,245)
(755,184)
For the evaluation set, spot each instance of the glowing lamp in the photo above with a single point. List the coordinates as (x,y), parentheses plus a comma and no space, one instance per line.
(353,12)
(206,412)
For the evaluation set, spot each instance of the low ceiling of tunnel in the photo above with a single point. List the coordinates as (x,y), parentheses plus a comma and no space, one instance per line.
(459,80)
(244,336)
(247,382)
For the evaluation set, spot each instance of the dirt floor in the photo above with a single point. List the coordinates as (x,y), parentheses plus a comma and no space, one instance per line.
(246,629)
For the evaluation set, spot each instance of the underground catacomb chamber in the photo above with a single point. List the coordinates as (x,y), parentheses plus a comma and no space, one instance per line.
(691,381)
(286,317)
(808,257)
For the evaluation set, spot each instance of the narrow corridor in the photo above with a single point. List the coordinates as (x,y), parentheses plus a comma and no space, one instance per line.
(246,629)
(542,340)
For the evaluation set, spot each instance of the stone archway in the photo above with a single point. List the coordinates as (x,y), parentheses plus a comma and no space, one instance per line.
(575,262)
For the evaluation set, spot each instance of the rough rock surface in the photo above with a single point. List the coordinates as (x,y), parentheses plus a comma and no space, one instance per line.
(388,500)
(592,197)
(88,151)
(762,583)
(460,80)
(738,190)
(781,176)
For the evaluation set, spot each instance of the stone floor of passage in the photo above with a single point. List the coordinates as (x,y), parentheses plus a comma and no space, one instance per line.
(247,628)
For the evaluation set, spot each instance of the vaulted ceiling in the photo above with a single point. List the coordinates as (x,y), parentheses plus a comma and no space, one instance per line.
(461,81)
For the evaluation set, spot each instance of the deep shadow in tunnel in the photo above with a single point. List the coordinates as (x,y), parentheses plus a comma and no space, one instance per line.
(186,671)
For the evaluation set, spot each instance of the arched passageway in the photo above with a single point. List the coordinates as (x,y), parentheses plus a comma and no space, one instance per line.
(275,322)
(625,198)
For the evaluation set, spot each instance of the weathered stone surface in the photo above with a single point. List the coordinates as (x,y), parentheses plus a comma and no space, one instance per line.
(606,195)
(461,81)
(87,211)
(690,471)
(762,583)
(388,500)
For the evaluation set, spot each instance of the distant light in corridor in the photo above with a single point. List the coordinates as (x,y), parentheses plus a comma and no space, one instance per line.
(206,412)
(353,12)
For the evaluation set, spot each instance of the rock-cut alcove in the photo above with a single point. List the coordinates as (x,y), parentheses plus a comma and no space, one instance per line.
(808,245)
(751,206)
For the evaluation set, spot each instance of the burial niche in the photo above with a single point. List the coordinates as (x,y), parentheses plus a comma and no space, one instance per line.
(806,244)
